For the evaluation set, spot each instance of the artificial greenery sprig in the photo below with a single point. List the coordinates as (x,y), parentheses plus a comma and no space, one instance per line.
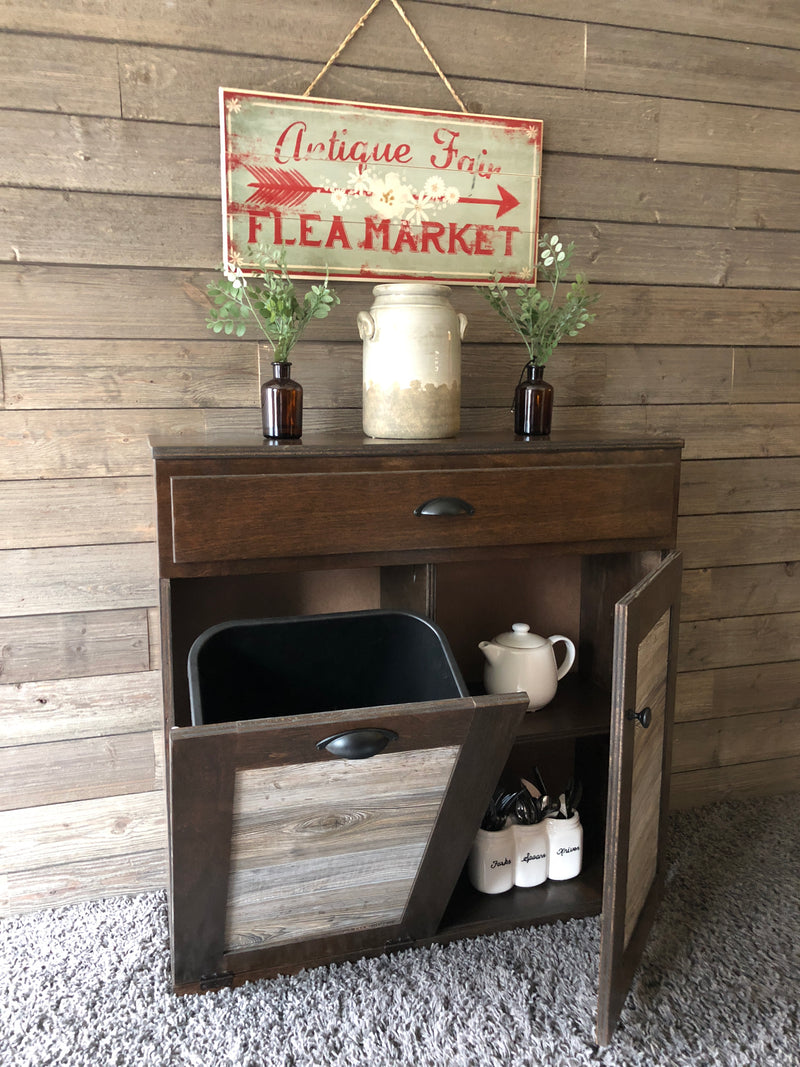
(271,300)
(539,321)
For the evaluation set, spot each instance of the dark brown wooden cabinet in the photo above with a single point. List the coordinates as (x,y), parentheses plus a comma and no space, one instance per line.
(282,857)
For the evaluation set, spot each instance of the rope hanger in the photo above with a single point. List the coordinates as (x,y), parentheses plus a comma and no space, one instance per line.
(414,34)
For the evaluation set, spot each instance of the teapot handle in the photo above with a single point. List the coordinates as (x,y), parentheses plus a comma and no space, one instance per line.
(569,658)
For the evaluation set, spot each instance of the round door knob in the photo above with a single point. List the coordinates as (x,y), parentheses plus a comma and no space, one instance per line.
(645,716)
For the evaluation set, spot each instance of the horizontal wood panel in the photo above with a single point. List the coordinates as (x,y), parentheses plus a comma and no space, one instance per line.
(83,880)
(38,713)
(119,230)
(621,59)
(71,445)
(72,152)
(39,647)
(732,642)
(77,374)
(725,540)
(82,769)
(759,374)
(58,301)
(737,690)
(70,374)
(82,830)
(76,511)
(733,20)
(66,444)
(709,487)
(722,742)
(728,135)
(763,778)
(42,581)
(49,74)
(726,591)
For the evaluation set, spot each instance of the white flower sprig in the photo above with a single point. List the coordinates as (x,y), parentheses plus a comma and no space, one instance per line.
(539,321)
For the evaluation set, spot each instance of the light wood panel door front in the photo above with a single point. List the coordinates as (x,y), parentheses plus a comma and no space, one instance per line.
(284,856)
(645,640)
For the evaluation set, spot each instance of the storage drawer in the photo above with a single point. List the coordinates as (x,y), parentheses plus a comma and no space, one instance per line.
(263,516)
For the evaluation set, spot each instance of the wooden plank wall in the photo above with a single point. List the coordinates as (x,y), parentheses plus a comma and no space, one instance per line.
(672,150)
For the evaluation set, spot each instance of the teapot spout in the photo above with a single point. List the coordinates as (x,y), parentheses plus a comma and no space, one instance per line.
(490,650)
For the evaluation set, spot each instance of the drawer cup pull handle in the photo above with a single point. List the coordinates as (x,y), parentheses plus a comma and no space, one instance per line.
(445,505)
(357,744)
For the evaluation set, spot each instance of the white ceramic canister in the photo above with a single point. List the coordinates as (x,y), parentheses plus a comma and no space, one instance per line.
(531,843)
(412,362)
(491,860)
(565,847)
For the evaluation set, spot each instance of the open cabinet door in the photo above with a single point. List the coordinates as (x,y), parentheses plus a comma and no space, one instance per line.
(292,844)
(645,650)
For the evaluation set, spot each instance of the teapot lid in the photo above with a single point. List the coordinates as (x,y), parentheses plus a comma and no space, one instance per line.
(520,636)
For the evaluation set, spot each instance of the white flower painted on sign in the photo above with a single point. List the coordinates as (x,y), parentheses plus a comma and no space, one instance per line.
(434,187)
(389,196)
(234,105)
(339,199)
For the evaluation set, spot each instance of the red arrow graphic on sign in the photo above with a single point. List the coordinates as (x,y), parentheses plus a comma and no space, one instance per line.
(506,202)
(279,188)
(290,188)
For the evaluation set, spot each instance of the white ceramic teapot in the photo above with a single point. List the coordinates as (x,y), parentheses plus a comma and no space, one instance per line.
(520,661)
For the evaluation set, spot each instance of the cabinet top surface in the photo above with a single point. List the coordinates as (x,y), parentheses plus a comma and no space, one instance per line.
(253,445)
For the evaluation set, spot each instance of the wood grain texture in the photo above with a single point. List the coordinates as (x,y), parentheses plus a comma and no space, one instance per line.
(320,849)
(73,882)
(68,709)
(722,742)
(739,485)
(755,537)
(737,690)
(670,150)
(648,750)
(81,830)
(76,511)
(43,581)
(82,769)
(69,374)
(731,642)
(758,589)
(679,66)
(74,645)
(690,789)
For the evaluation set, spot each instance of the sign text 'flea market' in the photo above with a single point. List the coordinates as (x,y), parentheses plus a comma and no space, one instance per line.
(379,193)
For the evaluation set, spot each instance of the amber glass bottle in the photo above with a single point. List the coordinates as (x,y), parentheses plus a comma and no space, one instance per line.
(533,403)
(282,404)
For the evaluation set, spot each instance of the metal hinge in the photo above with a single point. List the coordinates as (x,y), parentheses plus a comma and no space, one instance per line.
(216,981)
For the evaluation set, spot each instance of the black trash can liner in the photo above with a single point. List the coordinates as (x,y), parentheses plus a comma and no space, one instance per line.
(261,668)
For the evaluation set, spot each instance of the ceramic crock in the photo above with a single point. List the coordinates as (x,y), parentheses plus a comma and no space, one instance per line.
(412,362)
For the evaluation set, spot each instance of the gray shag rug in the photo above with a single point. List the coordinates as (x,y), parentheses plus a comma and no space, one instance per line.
(719,984)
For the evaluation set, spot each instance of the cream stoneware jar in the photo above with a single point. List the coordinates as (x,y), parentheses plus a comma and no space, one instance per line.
(412,362)
(519,661)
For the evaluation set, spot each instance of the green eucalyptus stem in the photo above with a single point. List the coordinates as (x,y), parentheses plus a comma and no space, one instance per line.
(272,301)
(540,322)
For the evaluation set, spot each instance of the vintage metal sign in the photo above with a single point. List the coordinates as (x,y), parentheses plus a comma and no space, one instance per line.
(379,193)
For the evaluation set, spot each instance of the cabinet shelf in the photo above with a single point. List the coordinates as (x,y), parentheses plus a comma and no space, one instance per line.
(471,913)
(579,709)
